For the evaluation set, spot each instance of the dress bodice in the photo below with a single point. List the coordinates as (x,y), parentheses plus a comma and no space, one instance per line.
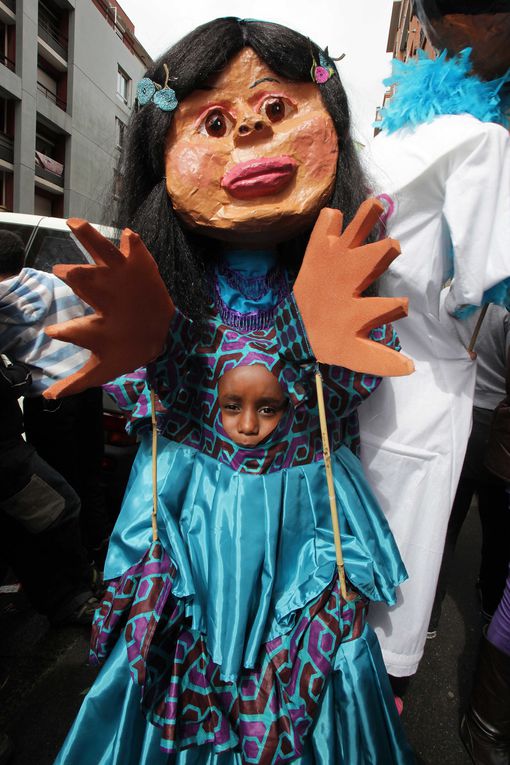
(254,320)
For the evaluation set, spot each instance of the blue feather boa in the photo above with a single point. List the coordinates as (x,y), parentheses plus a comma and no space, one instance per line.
(426,88)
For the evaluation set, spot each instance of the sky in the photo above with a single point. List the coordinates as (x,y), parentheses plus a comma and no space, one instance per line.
(358,28)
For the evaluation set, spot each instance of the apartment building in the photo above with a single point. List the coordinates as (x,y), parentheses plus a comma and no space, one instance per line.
(68,73)
(406,34)
(405,37)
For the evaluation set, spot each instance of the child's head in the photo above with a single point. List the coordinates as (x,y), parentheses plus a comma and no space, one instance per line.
(251,403)
(213,56)
(12,253)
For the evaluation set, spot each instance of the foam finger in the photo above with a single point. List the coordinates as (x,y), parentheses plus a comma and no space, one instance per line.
(98,246)
(363,222)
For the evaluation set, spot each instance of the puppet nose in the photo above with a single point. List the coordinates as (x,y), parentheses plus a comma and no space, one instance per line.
(247,126)
(253,127)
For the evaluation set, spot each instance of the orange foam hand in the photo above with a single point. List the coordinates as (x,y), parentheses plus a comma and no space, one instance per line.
(337,268)
(132,307)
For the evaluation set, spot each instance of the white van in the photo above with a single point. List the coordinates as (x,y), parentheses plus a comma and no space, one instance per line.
(49,241)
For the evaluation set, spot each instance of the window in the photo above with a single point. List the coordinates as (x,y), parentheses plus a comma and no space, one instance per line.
(52,83)
(117,184)
(51,247)
(53,26)
(23,231)
(123,86)
(120,127)
(47,84)
(3,43)
(3,116)
(3,195)
(45,145)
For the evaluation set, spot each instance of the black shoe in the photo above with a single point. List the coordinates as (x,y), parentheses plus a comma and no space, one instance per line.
(96,582)
(485,728)
(79,612)
(6,749)
(99,552)
(4,676)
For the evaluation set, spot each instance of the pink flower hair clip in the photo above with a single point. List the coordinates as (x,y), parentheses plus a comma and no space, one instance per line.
(322,71)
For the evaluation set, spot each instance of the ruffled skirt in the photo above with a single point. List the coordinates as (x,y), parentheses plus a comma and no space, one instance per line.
(228,641)
(356,721)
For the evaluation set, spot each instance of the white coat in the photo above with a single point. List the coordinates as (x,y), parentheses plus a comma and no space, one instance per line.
(449,184)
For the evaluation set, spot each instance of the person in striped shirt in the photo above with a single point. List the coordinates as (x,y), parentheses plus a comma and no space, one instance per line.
(69,435)
(31,300)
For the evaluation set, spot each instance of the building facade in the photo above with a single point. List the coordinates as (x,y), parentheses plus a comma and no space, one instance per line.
(406,36)
(68,72)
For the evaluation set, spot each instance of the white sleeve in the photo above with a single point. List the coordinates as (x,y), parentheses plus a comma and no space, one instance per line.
(477,212)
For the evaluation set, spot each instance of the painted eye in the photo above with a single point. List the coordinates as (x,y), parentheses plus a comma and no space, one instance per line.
(276,109)
(217,124)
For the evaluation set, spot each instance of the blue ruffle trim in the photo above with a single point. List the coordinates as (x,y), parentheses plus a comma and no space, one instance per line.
(357,721)
(426,88)
(251,550)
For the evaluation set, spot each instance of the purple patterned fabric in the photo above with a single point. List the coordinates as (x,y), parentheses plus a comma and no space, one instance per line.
(186,380)
(267,712)
(139,594)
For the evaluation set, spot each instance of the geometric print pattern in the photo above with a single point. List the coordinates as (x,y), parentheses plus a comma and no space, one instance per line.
(138,595)
(266,712)
(186,381)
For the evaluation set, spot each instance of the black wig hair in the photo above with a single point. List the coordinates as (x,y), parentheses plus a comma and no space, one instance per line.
(182,256)
(12,252)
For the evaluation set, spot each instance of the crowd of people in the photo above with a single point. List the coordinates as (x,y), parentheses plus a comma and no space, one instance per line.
(261,517)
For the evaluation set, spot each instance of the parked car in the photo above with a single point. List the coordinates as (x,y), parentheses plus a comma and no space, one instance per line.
(49,241)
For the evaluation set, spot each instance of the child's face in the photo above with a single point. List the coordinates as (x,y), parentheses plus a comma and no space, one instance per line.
(251,404)
(252,157)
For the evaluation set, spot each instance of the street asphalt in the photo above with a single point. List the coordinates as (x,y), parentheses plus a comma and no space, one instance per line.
(48,674)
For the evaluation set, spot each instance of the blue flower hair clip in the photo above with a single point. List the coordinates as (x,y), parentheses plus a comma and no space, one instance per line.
(161,96)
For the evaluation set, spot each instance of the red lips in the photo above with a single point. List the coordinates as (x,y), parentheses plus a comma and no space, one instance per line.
(259,177)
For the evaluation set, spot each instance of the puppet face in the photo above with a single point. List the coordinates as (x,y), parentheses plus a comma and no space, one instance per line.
(251,403)
(252,157)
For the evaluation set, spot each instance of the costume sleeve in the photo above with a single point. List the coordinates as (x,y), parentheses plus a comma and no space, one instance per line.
(131,392)
(132,395)
(166,374)
(477,212)
(344,389)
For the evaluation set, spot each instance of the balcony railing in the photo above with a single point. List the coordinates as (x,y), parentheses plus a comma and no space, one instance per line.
(49,176)
(52,96)
(6,148)
(49,169)
(9,63)
(50,33)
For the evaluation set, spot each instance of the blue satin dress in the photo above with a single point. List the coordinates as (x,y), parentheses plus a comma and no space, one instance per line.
(227,641)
